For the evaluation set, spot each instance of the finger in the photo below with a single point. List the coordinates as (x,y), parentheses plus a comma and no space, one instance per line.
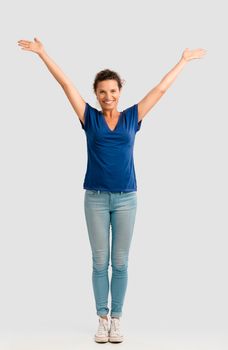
(24,41)
(24,45)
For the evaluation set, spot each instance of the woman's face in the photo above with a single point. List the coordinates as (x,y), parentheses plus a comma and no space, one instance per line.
(108,94)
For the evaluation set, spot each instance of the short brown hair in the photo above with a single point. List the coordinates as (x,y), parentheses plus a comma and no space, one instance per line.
(107,74)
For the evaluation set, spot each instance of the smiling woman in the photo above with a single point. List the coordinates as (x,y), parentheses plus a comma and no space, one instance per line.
(107,87)
(110,184)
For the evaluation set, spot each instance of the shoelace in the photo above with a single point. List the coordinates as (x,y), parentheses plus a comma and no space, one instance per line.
(116,325)
(102,327)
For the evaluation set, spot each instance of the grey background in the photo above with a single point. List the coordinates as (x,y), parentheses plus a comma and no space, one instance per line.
(178,258)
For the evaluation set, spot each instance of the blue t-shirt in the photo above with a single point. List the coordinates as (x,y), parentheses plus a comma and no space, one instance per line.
(110,162)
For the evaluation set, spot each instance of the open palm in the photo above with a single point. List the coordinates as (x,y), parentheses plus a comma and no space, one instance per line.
(35,46)
(191,54)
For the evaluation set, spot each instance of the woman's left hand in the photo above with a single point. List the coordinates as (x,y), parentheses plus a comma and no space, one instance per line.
(191,54)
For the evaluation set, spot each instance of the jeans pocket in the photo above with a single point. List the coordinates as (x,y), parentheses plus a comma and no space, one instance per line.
(131,193)
(92,192)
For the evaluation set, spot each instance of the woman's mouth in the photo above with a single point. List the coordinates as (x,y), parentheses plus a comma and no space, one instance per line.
(108,102)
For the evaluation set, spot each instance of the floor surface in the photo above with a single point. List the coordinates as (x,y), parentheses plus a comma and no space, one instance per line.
(141,341)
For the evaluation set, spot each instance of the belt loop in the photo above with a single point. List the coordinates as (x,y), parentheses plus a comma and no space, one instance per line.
(99,191)
(121,192)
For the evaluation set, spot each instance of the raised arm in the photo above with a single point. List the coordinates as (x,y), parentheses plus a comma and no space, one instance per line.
(71,92)
(155,94)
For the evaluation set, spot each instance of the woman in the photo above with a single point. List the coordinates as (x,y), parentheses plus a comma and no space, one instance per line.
(110,181)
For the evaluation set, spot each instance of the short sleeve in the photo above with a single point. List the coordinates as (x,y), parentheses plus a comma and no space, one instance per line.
(86,117)
(137,123)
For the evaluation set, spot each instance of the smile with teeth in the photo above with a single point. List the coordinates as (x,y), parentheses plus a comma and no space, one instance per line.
(108,102)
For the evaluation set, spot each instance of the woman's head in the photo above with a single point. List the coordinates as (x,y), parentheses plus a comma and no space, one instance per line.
(107,87)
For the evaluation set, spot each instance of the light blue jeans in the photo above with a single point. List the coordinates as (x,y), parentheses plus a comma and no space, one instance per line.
(102,210)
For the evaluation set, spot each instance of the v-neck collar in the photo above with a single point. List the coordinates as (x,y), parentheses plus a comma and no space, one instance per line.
(103,117)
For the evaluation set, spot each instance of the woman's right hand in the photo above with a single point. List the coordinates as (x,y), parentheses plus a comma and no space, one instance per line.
(36,46)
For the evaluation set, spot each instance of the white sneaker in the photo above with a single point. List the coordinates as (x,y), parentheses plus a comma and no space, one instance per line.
(102,332)
(115,335)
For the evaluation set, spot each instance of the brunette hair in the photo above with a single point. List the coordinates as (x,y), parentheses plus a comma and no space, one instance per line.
(107,74)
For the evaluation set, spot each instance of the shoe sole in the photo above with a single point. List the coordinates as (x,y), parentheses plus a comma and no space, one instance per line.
(101,340)
(115,340)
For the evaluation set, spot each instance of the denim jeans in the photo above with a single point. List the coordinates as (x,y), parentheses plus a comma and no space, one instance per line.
(102,210)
